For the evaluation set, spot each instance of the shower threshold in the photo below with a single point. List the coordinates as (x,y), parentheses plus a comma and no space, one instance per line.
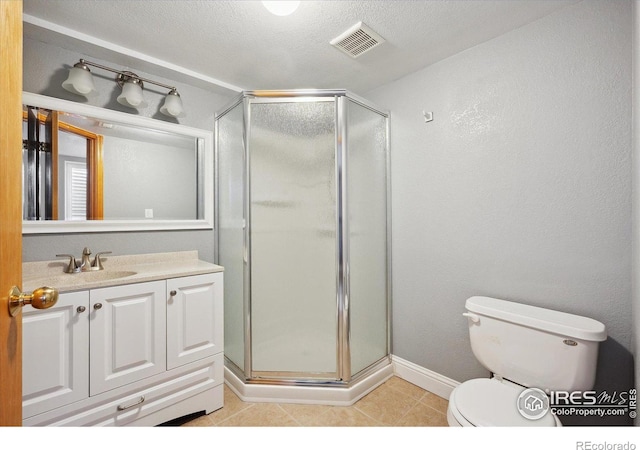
(331,394)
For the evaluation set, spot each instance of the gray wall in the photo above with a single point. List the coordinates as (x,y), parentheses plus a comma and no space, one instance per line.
(519,189)
(142,175)
(45,68)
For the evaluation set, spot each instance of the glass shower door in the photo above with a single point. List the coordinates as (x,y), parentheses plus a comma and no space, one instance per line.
(293,238)
(368,233)
(230,222)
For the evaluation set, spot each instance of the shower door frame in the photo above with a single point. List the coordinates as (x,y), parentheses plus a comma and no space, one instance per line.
(343,374)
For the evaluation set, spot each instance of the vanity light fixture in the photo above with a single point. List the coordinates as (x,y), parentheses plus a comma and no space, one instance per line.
(80,82)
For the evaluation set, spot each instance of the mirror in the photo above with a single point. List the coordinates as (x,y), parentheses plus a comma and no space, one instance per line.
(91,169)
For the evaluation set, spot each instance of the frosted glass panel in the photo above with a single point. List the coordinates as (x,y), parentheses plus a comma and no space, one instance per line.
(230,238)
(367,204)
(293,237)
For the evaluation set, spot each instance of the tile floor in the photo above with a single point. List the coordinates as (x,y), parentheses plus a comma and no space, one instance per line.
(395,403)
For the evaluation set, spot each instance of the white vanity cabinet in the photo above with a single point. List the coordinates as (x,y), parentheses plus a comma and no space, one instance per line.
(134,354)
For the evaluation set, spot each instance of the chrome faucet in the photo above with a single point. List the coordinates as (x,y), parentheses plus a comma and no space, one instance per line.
(85,265)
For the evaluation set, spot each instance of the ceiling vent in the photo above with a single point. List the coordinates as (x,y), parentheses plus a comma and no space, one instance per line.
(357,40)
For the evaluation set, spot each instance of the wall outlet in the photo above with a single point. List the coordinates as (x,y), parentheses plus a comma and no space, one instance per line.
(148,213)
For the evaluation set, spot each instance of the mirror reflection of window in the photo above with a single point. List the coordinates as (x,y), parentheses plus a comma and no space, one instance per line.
(75,190)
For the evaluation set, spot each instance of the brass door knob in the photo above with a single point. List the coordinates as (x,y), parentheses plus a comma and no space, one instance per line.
(42,298)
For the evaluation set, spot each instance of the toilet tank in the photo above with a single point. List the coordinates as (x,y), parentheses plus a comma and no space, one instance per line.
(534,347)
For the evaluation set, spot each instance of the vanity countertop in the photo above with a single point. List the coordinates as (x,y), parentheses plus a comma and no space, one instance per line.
(118,270)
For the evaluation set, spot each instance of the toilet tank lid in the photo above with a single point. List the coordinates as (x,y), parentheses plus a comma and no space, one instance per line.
(557,322)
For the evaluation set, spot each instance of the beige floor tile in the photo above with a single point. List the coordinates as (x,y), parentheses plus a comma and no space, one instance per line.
(436,402)
(343,416)
(305,415)
(405,387)
(422,415)
(260,415)
(386,405)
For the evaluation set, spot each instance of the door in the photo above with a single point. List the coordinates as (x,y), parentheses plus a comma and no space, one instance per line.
(10,209)
(293,232)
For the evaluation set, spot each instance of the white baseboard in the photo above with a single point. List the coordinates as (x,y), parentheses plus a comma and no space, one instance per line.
(340,396)
(424,378)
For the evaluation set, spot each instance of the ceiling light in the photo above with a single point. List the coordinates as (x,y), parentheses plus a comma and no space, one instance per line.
(282,8)
(80,82)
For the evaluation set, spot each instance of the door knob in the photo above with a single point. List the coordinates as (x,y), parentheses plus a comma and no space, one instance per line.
(42,298)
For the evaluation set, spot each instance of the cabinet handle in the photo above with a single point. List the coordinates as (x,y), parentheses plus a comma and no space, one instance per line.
(122,408)
(97,306)
(173,293)
(81,309)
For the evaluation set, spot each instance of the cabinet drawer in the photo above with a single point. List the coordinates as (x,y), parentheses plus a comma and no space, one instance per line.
(161,392)
(194,318)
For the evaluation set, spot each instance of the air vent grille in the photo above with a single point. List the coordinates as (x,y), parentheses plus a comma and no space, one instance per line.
(357,40)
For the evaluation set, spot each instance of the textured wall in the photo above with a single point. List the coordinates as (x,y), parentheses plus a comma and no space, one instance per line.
(519,189)
(45,68)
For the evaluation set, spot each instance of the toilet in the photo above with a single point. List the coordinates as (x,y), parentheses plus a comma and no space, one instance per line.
(523,347)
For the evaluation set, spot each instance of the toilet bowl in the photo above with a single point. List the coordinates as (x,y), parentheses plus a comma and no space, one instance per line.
(530,351)
(486,402)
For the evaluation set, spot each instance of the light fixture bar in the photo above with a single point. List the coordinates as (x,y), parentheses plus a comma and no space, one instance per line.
(80,82)
(126,74)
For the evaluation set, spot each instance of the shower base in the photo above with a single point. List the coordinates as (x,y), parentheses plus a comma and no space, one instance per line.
(332,395)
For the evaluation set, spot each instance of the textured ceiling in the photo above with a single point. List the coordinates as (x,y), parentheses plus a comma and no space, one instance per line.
(240,45)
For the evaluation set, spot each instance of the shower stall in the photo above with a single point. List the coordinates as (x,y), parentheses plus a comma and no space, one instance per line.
(303,232)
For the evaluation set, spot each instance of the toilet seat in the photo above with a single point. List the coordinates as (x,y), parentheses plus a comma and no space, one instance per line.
(484,402)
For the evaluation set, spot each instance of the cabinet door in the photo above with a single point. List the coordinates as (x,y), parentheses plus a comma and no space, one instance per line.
(194,318)
(128,334)
(55,354)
